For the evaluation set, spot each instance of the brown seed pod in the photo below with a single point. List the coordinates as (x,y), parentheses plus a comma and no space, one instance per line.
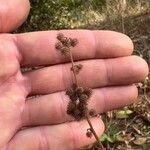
(83,97)
(60,36)
(71,108)
(58,46)
(66,42)
(73,97)
(81,106)
(89,133)
(79,90)
(77,112)
(83,109)
(74,42)
(78,117)
(69,92)
(88,91)
(77,68)
(64,50)
(92,113)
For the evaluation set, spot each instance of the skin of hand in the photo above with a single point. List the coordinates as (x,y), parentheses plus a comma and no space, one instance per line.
(41,123)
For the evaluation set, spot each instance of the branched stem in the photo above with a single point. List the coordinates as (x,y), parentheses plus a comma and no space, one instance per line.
(87,116)
(78,109)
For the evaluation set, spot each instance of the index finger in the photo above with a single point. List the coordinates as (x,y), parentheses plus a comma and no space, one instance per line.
(38,48)
(12,14)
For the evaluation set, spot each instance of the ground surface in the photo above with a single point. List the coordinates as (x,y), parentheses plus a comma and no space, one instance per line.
(127,128)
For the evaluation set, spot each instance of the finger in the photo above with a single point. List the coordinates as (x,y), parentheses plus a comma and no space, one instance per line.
(12,14)
(9,59)
(95,73)
(68,136)
(39,48)
(41,110)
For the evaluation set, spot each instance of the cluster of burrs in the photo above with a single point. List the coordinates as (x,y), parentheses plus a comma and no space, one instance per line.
(78,103)
(64,44)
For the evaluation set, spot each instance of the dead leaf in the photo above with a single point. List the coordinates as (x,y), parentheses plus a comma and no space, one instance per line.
(140,141)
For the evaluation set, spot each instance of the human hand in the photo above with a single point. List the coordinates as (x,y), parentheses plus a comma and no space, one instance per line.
(42,122)
(12,14)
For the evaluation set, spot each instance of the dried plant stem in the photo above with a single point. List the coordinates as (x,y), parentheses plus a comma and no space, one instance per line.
(87,116)
(94,133)
(72,62)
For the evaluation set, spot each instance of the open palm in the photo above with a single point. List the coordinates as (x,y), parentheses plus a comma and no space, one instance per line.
(41,122)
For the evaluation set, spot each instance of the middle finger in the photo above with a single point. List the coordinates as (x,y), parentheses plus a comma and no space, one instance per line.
(95,73)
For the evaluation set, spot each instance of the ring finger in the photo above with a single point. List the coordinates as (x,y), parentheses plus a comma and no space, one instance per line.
(51,109)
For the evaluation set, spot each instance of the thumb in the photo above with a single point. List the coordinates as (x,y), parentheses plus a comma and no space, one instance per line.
(12,14)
